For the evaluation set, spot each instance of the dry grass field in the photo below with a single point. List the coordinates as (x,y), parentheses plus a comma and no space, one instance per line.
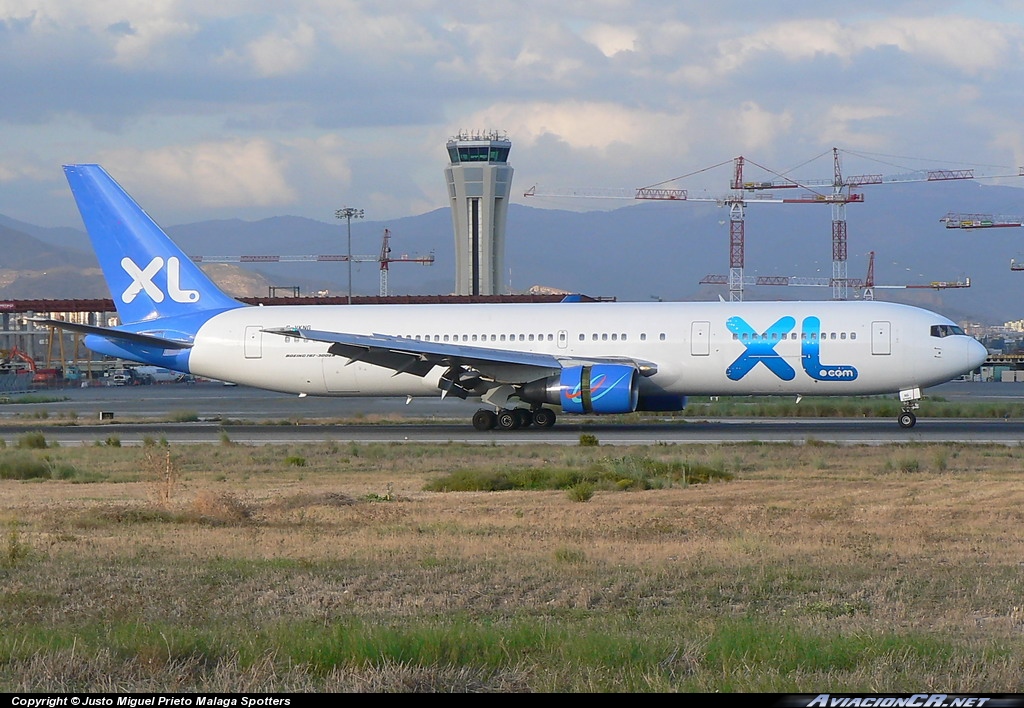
(803,568)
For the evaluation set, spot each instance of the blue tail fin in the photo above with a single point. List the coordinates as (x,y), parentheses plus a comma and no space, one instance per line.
(148,275)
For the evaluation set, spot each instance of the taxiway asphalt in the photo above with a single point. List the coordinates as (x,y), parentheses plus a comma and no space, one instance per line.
(210,412)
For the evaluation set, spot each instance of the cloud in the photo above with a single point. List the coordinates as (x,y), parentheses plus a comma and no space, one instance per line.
(611,39)
(584,125)
(965,44)
(277,53)
(235,173)
(299,100)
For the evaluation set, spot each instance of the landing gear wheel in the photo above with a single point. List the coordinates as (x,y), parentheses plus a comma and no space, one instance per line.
(907,419)
(525,417)
(543,417)
(484,420)
(508,420)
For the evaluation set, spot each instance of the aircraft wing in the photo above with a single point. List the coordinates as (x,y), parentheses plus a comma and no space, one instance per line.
(405,355)
(115,334)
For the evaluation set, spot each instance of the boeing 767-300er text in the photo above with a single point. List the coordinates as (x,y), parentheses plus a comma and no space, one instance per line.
(523,361)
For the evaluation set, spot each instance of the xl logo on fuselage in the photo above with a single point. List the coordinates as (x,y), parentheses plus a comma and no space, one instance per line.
(142,279)
(760,349)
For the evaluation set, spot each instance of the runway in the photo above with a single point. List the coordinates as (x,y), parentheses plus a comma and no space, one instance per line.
(210,412)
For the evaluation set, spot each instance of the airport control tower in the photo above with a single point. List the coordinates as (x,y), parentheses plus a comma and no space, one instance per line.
(479,183)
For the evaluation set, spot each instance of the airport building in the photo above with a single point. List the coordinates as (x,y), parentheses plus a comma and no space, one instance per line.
(479,184)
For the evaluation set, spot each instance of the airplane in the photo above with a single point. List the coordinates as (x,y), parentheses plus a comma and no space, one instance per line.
(525,363)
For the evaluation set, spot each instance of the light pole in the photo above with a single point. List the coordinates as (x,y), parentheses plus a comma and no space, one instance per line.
(348,213)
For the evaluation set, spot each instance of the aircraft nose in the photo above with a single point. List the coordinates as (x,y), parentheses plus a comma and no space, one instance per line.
(976,354)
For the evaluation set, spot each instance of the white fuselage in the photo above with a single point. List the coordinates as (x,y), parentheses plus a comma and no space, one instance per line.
(712,348)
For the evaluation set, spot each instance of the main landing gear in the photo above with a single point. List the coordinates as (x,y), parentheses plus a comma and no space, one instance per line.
(513,418)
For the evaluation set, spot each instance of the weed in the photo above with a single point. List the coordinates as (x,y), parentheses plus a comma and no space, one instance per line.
(32,441)
(221,508)
(23,466)
(588,440)
(163,473)
(581,492)
(17,549)
(570,556)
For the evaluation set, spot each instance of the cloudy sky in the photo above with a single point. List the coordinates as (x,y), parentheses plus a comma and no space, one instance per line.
(256,108)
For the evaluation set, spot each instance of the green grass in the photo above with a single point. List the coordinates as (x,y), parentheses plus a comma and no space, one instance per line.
(580,652)
(612,474)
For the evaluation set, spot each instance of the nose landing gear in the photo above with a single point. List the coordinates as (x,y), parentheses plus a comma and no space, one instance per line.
(910,398)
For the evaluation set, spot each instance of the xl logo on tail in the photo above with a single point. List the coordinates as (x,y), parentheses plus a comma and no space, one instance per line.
(142,279)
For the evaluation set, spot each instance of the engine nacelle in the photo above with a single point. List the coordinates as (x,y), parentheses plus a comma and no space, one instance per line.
(601,388)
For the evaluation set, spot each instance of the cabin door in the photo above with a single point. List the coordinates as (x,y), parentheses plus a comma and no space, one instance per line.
(253,341)
(881,338)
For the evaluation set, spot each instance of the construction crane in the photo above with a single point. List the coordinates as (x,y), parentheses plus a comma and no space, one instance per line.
(866,286)
(384,259)
(955,220)
(736,201)
(980,221)
(837,192)
(842,194)
(838,198)
(744,192)
(869,282)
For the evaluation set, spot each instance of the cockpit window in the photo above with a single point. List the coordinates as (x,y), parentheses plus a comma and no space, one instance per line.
(945,330)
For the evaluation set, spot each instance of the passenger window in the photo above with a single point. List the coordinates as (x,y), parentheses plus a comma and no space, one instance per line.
(662,336)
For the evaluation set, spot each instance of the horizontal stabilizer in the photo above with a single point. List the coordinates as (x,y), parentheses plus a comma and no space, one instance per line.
(114,334)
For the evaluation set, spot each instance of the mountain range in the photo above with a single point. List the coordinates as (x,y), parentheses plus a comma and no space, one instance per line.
(640,251)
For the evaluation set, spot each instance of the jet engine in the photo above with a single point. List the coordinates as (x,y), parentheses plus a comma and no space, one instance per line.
(600,388)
